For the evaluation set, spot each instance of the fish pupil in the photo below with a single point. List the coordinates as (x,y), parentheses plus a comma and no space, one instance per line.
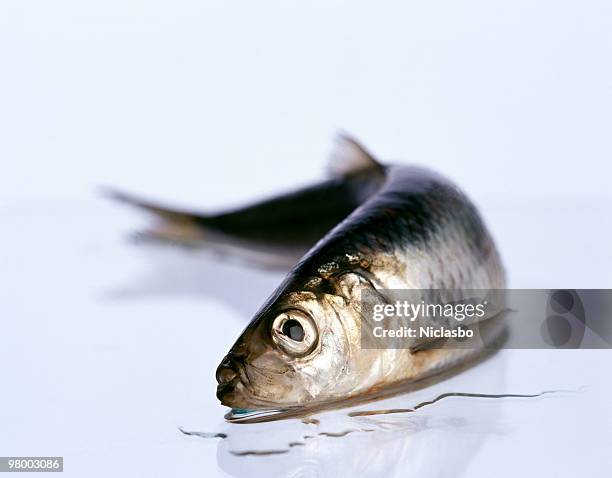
(294,330)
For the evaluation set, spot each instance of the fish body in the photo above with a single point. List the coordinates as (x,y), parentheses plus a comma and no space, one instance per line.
(368,228)
(414,230)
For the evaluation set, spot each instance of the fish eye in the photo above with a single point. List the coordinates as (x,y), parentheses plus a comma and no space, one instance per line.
(294,332)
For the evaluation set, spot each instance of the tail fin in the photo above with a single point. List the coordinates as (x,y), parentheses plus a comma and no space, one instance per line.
(172,226)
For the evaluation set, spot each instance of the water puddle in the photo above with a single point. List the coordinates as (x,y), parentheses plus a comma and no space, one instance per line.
(363,413)
(202,434)
(280,437)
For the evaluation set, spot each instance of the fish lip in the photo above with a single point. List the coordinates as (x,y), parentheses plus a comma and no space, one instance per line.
(231,362)
(242,376)
(232,395)
(230,392)
(226,388)
(236,392)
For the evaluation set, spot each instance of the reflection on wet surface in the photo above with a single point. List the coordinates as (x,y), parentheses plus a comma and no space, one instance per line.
(343,446)
(366,413)
(448,395)
(438,436)
(369,413)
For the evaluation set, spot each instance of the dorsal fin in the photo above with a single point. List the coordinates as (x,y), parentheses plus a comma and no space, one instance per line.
(349,157)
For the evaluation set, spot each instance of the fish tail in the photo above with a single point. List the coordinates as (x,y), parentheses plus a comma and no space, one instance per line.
(172,225)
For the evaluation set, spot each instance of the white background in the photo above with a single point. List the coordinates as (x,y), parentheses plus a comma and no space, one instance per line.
(104,353)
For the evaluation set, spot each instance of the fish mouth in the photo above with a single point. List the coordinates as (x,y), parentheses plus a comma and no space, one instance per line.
(231,389)
(233,392)
(228,396)
(228,377)
(225,390)
(235,396)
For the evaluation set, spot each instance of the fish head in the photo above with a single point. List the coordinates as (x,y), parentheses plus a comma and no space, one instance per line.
(300,349)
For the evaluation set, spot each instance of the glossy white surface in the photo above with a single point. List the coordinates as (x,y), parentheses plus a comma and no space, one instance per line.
(106,349)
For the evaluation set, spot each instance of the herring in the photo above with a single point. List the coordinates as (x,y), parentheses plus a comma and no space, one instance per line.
(369,227)
(415,230)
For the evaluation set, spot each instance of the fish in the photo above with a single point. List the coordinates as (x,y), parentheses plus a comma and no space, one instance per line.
(369,227)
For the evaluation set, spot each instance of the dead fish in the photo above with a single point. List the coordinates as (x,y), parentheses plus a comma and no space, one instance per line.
(415,230)
(371,226)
